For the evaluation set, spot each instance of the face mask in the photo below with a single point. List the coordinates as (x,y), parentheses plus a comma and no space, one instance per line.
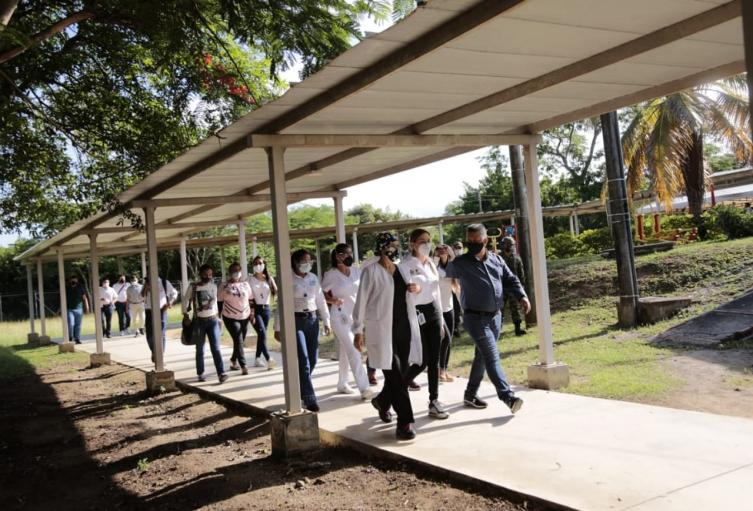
(348,261)
(236,275)
(73,282)
(258,268)
(134,282)
(393,255)
(122,281)
(436,260)
(424,249)
(205,280)
(305,267)
(105,285)
(475,248)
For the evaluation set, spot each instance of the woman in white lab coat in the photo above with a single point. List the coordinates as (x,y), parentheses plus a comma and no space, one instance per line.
(340,285)
(385,321)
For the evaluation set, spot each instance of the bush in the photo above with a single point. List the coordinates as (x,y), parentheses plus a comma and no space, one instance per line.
(596,240)
(563,246)
(732,221)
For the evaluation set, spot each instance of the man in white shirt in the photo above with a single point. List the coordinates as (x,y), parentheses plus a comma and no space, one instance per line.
(135,306)
(167,296)
(107,297)
(121,304)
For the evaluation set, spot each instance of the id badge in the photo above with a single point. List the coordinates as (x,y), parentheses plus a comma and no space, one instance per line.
(421,318)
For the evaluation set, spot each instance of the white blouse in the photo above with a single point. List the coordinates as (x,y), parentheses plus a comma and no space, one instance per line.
(261,290)
(445,290)
(426,276)
(344,287)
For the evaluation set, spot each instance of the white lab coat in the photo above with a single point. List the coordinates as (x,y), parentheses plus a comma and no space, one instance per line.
(372,316)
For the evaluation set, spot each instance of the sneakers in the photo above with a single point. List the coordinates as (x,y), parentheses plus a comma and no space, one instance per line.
(437,410)
(259,362)
(475,402)
(345,389)
(515,404)
(384,415)
(223,378)
(405,432)
(201,378)
(244,371)
(367,394)
(271,364)
(413,386)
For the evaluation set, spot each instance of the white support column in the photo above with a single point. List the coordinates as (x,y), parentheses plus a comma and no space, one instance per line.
(223,266)
(40,290)
(355,247)
(546,374)
(63,299)
(254,247)
(151,243)
(572,225)
(291,381)
(30,290)
(94,262)
(441,233)
(242,245)
(183,271)
(339,219)
(318,258)
(143,265)
(576,221)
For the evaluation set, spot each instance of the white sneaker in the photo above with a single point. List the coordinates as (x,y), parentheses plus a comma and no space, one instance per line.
(367,394)
(345,389)
(259,362)
(271,364)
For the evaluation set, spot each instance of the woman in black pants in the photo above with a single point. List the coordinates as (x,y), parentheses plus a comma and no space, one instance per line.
(447,289)
(236,313)
(384,320)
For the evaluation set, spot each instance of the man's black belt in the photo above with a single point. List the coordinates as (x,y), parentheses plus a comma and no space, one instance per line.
(305,314)
(480,313)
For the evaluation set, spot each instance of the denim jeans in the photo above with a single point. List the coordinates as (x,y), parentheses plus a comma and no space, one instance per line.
(484,330)
(106,320)
(260,325)
(209,327)
(307,334)
(124,319)
(74,323)
(148,327)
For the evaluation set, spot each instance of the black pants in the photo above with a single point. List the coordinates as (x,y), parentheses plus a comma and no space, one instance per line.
(237,329)
(395,390)
(444,349)
(106,320)
(431,339)
(124,319)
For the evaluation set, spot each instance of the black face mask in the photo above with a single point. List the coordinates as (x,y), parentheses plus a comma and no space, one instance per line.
(73,283)
(122,281)
(475,248)
(392,255)
(348,261)
(206,280)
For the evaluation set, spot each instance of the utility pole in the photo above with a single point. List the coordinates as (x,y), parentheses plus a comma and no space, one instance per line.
(520,198)
(619,219)
(480,207)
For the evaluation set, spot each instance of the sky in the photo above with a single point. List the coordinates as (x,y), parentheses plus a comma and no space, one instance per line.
(420,192)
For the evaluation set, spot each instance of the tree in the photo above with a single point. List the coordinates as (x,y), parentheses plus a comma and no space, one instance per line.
(664,142)
(96,94)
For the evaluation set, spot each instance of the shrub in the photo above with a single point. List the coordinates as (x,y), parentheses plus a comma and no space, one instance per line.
(596,240)
(733,221)
(563,245)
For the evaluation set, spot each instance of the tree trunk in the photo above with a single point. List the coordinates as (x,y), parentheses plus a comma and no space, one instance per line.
(695,178)
(44,35)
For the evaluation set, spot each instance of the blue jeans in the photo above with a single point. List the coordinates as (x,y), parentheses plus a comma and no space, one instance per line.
(307,334)
(260,325)
(484,330)
(148,328)
(209,327)
(74,323)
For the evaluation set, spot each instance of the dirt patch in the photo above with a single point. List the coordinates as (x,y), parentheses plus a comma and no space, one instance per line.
(73,438)
(715,381)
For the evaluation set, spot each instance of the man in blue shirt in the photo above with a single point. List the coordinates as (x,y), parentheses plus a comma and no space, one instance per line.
(484,278)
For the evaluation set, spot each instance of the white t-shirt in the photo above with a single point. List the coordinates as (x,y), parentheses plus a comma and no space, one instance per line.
(107,296)
(261,290)
(344,287)
(206,299)
(121,290)
(445,290)
(163,294)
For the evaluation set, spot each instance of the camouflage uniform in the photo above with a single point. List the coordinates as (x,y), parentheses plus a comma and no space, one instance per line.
(515,264)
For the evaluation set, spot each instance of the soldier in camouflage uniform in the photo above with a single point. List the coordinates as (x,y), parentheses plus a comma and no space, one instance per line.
(516,266)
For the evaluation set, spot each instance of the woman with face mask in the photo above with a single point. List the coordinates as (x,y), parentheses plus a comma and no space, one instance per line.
(385,322)
(308,298)
(340,285)
(448,287)
(264,289)
(429,311)
(237,300)
(107,299)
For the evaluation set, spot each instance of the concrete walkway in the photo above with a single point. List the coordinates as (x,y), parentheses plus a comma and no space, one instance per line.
(575,451)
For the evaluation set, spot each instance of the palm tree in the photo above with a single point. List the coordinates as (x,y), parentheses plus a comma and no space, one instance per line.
(663,144)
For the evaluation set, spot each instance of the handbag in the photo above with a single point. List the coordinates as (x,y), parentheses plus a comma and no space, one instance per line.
(191,335)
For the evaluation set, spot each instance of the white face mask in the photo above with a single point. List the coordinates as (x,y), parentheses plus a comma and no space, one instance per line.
(236,275)
(105,285)
(424,249)
(258,268)
(305,267)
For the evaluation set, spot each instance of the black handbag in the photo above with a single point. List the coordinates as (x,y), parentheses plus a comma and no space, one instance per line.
(190,335)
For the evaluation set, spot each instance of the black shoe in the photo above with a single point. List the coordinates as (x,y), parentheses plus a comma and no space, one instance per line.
(201,378)
(385,415)
(77,341)
(313,407)
(413,386)
(405,432)
(475,402)
(515,404)
(518,330)
(223,378)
